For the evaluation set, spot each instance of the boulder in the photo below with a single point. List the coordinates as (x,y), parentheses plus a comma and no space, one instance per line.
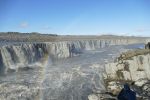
(114,87)
(146,89)
(141,82)
(93,97)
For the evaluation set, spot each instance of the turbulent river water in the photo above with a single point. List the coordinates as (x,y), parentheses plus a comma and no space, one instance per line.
(71,78)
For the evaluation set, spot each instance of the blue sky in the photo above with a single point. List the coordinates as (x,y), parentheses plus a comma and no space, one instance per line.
(76,17)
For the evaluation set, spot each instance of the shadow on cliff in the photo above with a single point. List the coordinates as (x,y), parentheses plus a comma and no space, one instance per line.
(2,68)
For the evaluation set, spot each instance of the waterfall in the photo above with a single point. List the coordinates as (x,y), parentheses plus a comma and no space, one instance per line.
(14,56)
(73,78)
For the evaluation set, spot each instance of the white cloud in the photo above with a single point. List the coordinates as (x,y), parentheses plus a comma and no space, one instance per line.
(24,25)
(142,30)
(46,27)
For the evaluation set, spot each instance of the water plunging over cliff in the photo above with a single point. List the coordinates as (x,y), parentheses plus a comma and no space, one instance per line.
(45,71)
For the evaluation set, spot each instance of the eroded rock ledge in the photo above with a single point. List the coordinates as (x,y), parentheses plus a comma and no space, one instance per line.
(131,67)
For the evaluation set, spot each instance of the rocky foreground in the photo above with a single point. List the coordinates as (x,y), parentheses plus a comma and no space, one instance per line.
(131,67)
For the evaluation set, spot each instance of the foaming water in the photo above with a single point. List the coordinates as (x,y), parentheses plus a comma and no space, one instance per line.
(62,79)
(48,63)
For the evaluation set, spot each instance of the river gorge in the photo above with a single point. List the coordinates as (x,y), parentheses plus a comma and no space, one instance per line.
(54,71)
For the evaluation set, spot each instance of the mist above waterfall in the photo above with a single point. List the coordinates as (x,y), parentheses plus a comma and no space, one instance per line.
(46,71)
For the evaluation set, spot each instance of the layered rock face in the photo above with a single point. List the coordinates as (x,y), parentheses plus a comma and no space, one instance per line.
(130,70)
(14,57)
(134,69)
(21,55)
(46,71)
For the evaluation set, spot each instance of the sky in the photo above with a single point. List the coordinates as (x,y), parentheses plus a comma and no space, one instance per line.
(76,17)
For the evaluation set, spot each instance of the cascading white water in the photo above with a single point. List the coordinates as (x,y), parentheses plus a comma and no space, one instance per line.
(18,55)
(67,78)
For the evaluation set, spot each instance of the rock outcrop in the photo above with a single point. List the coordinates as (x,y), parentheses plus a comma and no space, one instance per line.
(134,69)
(147,45)
(131,68)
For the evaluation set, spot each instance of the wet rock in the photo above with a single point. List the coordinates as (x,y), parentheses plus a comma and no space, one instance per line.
(141,82)
(114,87)
(25,68)
(106,96)
(146,89)
(93,97)
(110,70)
(101,96)
(126,75)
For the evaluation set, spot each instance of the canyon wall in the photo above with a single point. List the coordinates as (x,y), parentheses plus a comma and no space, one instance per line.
(134,69)
(131,69)
(14,56)
(73,79)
